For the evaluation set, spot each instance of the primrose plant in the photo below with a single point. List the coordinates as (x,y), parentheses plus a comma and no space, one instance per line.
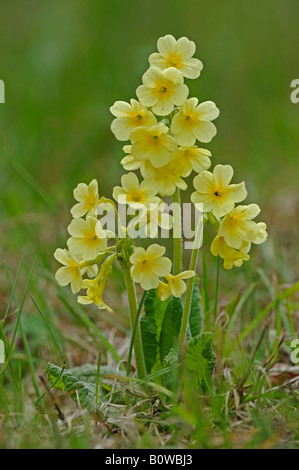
(161,130)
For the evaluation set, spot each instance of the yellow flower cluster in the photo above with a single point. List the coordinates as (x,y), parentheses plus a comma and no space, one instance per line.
(164,125)
(162,131)
(235,234)
(87,247)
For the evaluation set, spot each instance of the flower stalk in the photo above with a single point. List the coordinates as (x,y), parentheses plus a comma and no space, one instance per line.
(138,350)
(188,297)
(177,233)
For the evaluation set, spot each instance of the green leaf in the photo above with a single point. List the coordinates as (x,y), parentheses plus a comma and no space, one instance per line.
(83,380)
(171,378)
(171,327)
(200,360)
(150,324)
(195,318)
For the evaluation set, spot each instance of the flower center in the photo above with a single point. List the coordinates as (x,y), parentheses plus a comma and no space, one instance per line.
(217,193)
(91,237)
(163,89)
(155,139)
(138,117)
(189,121)
(174,60)
(136,197)
(90,202)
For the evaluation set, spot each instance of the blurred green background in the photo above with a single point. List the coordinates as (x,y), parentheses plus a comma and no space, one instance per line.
(65,62)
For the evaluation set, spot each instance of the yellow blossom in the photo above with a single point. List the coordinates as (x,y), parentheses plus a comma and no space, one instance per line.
(70,273)
(153,143)
(136,194)
(215,192)
(176,54)
(128,117)
(92,270)
(88,198)
(128,162)
(95,287)
(191,158)
(167,178)
(193,121)
(261,234)
(175,285)
(238,226)
(84,239)
(162,90)
(230,256)
(148,221)
(148,265)
(94,294)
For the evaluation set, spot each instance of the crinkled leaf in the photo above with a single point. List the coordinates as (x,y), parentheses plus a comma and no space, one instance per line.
(171,378)
(195,317)
(150,324)
(83,380)
(200,360)
(171,327)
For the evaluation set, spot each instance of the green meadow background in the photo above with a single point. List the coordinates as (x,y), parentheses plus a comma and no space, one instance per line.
(64,63)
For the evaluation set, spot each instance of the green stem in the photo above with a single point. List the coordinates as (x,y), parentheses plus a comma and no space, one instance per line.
(177,233)
(136,322)
(98,259)
(139,357)
(216,290)
(187,305)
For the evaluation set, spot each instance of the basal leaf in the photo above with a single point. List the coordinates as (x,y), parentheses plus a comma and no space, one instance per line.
(83,380)
(195,317)
(150,324)
(171,378)
(200,360)
(171,327)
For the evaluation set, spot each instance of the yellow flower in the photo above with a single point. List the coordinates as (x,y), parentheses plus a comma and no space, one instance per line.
(162,90)
(70,273)
(215,192)
(150,221)
(95,287)
(261,234)
(128,117)
(92,270)
(84,239)
(128,162)
(94,294)
(193,122)
(191,158)
(153,143)
(230,256)
(238,226)
(167,178)
(175,285)
(136,194)
(88,198)
(176,54)
(148,265)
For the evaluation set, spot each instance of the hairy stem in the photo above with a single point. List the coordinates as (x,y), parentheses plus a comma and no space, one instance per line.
(177,233)
(188,297)
(139,357)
